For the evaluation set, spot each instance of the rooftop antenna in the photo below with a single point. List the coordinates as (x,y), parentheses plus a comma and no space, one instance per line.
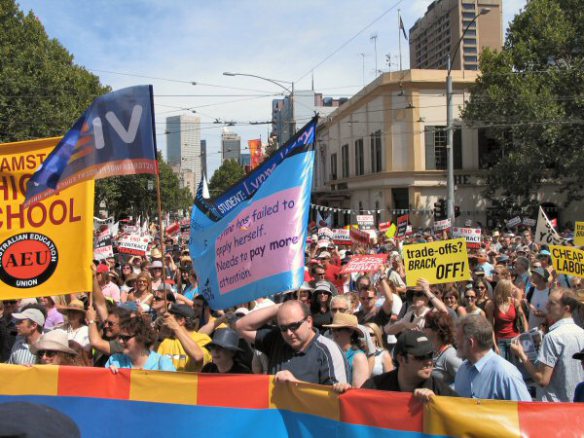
(374,38)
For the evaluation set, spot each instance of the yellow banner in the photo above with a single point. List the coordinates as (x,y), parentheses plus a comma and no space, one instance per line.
(45,249)
(579,234)
(568,260)
(438,262)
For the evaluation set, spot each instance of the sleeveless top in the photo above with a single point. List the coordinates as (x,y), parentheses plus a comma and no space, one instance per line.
(350,355)
(505,322)
(378,367)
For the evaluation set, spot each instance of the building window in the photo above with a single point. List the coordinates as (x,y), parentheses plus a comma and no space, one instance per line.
(471,59)
(490,149)
(333,166)
(471,32)
(436,152)
(469,15)
(376,163)
(471,67)
(345,160)
(468,6)
(470,24)
(470,50)
(470,41)
(359,158)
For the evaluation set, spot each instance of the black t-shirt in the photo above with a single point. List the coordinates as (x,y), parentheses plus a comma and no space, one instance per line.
(389,382)
(237,368)
(320,319)
(321,362)
(380,318)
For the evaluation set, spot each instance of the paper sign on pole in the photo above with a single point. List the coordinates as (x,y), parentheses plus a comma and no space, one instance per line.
(390,233)
(528,222)
(513,222)
(402,225)
(384,226)
(442,225)
(545,232)
(134,244)
(364,263)
(366,221)
(342,237)
(471,235)
(438,262)
(568,260)
(579,234)
(47,248)
(103,245)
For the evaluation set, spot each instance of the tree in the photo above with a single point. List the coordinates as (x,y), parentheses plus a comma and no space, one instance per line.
(229,173)
(530,96)
(42,92)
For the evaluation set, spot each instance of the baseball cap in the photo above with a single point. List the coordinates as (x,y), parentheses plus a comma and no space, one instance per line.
(34,315)
(183,310)
(324,255)
(415,343)
(101,268)
(543,273)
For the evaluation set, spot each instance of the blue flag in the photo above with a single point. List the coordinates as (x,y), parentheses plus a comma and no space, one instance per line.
(249,242)
(114,136)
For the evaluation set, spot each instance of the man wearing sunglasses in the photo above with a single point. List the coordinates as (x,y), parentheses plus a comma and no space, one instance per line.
(413,353)
(294,349)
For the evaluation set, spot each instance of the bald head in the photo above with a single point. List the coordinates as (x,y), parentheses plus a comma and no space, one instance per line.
(295,307)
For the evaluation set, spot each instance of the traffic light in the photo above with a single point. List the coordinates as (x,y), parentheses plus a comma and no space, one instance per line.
(440,210)
(456,211)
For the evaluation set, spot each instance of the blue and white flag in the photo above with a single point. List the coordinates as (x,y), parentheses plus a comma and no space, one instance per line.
(114,136)
(249,242)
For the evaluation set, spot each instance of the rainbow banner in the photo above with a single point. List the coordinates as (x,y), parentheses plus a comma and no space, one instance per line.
(151,403)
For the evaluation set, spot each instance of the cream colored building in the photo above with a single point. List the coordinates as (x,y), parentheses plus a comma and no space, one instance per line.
(385,150)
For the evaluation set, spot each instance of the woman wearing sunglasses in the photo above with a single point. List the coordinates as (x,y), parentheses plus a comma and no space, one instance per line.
(470,300)
(142,292)
(136,337)
(53,349)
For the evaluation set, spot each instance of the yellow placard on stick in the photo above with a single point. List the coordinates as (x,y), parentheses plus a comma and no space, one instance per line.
(568,260)
(438,262)
(579,234)
(47,248)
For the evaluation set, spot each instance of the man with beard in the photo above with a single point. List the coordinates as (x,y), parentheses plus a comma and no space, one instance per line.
(107,344)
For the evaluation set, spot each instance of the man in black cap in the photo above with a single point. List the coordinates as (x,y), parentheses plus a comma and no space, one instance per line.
(185,346)
(413,352)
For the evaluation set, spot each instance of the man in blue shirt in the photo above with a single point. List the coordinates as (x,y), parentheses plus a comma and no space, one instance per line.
(484,374)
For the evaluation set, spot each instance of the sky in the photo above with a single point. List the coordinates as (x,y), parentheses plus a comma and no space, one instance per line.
(173,43)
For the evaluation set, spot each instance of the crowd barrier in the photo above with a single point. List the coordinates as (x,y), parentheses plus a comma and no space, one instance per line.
(150,403)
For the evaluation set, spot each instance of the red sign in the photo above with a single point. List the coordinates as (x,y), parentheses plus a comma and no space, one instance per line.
(402,225)
(384,226)
(364,263)
(359,236)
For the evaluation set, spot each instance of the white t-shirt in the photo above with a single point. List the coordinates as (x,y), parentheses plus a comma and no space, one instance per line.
(539,300)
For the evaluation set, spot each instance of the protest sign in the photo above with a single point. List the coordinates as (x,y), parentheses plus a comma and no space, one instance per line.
(513,222)
(471,235)
(402,225)
(438,262)
(568,260)
(42,245)
(324,219)
(103,245)
(358,236)
(324,234)
(364,263)
(134,244)
(528,222)
(579,234)
(341,236)
(366,221)
(249,241)
(384,226)
(545,232)
(442,225)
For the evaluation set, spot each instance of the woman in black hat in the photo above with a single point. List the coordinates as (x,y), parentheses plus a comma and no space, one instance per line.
(224,349)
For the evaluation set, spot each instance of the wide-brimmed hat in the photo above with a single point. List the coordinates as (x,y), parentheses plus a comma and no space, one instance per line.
(225,338)
(74,305)
(157,264)
(156,254)
(55,340)
(323,286)
(345,320)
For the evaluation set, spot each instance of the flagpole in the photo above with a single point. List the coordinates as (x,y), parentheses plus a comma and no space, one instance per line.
(399,38)
(158,198)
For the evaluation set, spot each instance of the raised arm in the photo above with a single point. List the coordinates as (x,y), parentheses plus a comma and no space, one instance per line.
(249,324)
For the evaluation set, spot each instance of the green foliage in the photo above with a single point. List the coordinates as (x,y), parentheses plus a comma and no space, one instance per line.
(130,195)
(229,172)
(531,97)
(42,92)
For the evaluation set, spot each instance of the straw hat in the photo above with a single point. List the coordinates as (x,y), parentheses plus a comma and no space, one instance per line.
(75,305)
(55,340)
(345,320)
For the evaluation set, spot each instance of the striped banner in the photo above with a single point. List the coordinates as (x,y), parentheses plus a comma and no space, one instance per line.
(150,403)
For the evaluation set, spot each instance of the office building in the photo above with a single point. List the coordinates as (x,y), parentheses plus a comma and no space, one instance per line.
(183,146)
(230,145)
(435,35)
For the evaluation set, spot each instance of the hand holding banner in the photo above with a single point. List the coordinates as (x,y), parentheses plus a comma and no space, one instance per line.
(438,262)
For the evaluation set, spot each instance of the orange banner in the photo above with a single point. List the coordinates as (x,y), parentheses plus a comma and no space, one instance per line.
(255,151)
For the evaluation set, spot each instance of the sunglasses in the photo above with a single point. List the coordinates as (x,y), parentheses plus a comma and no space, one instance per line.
(109,323)
(155,298)
(338,309)
(470,297)
(367,298)
(419,294)
(47,353)
(292,327)
(125,338)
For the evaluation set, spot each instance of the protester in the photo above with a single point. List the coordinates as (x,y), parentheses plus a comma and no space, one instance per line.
(439,328)
(224,351)
(320,305)
(156,274)
(29,325)
(319,273)
(53,348)
(77,330)
(536,297)
(294,350)
(54,317)
(109,289)
(484,374)
(137,337)
(105,344)
(142,292)
(413,353)
(380,360)
(8,329)
(452,300)
(471,298)
(555,372)
(346,333)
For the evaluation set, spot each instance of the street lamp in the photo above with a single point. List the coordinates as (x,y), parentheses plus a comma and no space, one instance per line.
(279,84)
(449,128)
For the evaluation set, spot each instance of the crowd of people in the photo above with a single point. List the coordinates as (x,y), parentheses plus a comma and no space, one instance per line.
(514,332)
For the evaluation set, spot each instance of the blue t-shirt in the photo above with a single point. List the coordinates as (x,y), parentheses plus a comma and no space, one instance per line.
(191,292)
(155,362)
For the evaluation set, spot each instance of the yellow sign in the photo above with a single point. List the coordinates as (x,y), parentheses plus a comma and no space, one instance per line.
(579,234)
(390,233)
(47,248)
(568,260)
(438,262)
